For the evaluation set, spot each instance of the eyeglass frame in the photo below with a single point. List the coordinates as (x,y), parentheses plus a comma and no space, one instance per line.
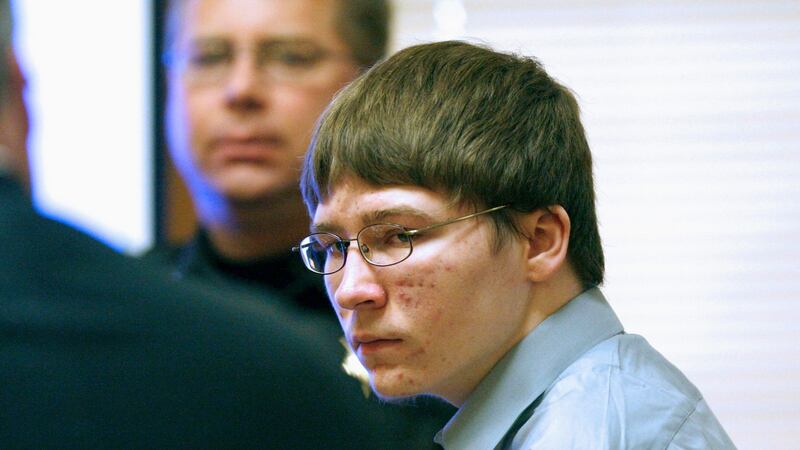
(183,61)
(409,233)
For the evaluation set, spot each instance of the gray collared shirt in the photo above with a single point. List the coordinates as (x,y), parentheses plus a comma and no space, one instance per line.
(600,388)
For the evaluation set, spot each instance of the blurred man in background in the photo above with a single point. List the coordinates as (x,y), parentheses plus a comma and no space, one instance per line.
(98,350)
(247,80)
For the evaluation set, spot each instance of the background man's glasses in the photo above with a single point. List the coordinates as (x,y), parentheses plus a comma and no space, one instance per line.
(211,62)
(382,244)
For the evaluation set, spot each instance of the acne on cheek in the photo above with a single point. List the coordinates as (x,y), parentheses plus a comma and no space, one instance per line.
(408,292)
(406,300)
(423,276)
(411,282)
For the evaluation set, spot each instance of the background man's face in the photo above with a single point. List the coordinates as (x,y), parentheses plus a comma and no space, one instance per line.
(438,321)
(249,80)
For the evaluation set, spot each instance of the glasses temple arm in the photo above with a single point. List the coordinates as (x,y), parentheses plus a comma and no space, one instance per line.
(457,219)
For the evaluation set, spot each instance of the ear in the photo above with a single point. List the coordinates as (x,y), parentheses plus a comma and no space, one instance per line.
(547,231)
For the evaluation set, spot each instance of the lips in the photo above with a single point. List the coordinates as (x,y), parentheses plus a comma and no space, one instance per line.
(368,345)
(247,148)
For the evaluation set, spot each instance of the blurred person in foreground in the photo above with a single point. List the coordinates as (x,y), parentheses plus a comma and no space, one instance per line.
(98,350)
(246,81)
(453,208)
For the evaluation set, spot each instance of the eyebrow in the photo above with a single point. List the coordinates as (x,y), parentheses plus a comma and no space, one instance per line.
(217,39)
(373,217)
(207,39)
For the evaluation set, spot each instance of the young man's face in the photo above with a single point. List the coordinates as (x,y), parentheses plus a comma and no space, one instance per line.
(236,127)
(438,321)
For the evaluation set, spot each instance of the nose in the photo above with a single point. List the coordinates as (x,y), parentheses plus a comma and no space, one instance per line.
(243,89)
(356,286)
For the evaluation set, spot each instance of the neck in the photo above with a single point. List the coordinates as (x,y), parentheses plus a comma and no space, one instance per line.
(549,296)
(544,299)
(247,231)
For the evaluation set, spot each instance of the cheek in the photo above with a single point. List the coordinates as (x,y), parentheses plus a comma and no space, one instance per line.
(191,119)
(418,295)
(331,283)
(297,109)
(451,295)
(413,288)
(179,128)
(294,114)
(200,112)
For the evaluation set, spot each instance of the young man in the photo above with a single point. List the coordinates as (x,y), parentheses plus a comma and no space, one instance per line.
(98,350)
(453,212)
(247,79)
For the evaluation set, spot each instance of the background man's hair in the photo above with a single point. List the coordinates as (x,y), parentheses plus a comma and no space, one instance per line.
(483,127)
(362,24)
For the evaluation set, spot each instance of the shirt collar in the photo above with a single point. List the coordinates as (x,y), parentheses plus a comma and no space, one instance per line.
(528,369)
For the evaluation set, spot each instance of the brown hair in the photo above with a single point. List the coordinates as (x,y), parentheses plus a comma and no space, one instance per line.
(486,128)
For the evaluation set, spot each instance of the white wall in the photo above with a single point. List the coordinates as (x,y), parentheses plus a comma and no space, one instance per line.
(88,67)
(692,108)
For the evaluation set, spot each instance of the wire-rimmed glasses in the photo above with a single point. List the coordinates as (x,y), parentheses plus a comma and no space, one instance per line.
(210,62)
(381,244)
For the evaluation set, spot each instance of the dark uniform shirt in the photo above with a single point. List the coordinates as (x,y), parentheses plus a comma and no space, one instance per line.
(101,351)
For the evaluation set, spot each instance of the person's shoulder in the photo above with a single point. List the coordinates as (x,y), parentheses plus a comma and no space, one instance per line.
(35,244)
(630,360)
(164,253)
(663,401)
(636,373)
(641,364)
(622,390)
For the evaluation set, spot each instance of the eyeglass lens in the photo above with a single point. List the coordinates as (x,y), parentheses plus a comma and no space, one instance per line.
(380,244)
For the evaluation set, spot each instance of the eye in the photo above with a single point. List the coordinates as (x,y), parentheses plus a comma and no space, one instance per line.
(324,243)
(338,246)
(292,56)
(210,56)
(394,236)
(399,237)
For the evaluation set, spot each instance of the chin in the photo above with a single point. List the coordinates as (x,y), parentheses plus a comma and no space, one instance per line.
(247,196)
(255,190)
(396,399)
(394,386)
